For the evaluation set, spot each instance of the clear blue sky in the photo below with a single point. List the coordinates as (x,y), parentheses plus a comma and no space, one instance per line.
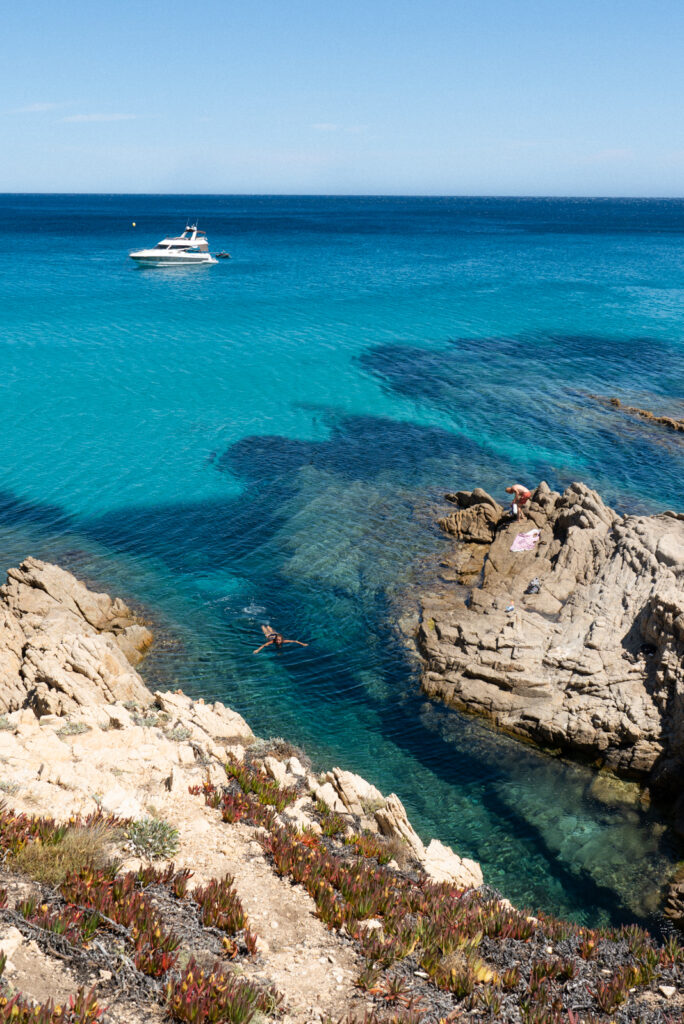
(496,97)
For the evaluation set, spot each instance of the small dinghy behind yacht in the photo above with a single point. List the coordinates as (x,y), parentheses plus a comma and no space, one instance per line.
(190,247)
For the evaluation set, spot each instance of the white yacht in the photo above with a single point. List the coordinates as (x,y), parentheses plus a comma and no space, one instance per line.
(189,248)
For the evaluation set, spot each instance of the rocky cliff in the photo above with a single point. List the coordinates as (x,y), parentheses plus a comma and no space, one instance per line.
(576,643)
(62,646)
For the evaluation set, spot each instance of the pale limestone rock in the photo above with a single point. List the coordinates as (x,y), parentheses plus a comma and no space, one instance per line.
(296,815)
(393,821)
(66,775)
(443,865)
(328,794)
(277,770)
(44,745)
(114,716)
(121,802)
(295,767)
(50,720)
(356,794)
(593,663)
(185,754)
(372,924)
(59,643)
(476,519)
(215,720)
(133,641)
(10,942)
(216,773)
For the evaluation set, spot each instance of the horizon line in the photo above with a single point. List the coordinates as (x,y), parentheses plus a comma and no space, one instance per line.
(360,195)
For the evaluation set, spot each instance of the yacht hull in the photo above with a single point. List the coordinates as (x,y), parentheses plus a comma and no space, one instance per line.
(172,261)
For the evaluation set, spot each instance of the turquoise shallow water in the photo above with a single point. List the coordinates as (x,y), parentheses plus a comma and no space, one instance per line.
(267,439)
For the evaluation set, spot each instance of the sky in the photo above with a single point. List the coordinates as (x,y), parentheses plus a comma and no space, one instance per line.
(429,97)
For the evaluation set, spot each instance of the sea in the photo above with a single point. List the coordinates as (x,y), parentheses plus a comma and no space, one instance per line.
(268,441)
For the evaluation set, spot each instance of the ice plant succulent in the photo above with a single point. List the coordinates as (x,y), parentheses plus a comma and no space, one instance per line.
(256,781)
(221,906)
(205,997)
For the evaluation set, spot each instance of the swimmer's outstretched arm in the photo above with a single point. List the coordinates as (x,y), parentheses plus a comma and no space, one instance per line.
(267,644)
(295,642)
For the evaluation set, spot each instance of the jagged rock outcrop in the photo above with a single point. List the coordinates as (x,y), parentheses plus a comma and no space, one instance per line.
(350,793)
(62,646)
(592,663)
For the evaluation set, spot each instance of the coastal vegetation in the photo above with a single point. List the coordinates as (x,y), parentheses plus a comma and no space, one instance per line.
(428,952)
(152,846)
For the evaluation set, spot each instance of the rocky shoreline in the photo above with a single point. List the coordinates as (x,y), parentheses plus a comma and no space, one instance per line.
(577,643)
(339,910)
(71,652)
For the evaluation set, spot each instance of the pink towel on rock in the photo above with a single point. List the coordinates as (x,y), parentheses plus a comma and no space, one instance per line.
(526,541)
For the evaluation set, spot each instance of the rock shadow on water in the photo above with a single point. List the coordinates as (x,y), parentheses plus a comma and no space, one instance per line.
(359,448)
(193,536)
(18,511)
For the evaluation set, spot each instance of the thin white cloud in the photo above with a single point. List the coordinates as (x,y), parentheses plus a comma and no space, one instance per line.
(37,108)
(99,117)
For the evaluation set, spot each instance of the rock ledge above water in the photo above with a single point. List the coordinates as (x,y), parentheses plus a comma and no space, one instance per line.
(592,664)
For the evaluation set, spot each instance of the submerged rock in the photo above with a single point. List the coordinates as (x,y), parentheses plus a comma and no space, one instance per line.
(593,663)
(671,422)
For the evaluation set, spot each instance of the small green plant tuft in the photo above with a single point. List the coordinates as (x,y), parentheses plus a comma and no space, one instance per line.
(148,721)
(179,733)
(82,1008)
(73,729)
(221,906)
(152,837)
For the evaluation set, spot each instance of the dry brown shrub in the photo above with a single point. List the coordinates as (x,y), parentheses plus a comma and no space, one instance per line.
(278,748)
(80,847)
(399,850)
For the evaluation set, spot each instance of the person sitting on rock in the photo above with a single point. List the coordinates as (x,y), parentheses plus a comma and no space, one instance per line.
(521,495)
(277,639)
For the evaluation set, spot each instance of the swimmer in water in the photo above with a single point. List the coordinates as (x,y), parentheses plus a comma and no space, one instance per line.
(277,639)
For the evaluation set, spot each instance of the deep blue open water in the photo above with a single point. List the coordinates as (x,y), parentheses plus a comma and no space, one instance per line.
(268,439)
